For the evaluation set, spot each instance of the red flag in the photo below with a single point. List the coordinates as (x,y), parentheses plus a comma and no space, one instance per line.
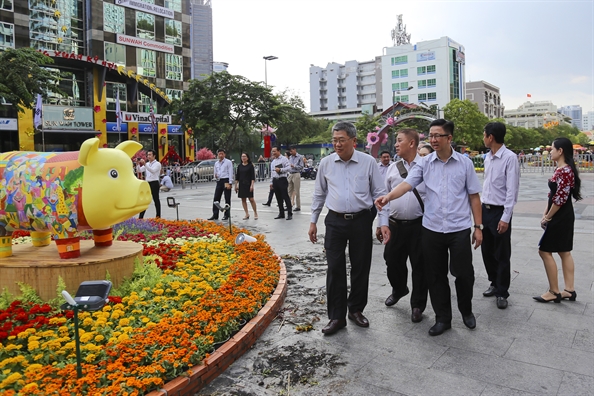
(528,95)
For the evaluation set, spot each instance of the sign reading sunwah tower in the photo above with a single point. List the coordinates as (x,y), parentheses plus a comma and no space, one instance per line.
(147,7)
(144,43)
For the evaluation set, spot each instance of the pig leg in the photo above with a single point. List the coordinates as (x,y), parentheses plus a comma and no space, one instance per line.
(40,238)
(5,242)
(69,247)
(103,238)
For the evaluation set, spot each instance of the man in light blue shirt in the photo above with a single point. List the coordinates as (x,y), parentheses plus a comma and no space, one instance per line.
(452,189)
(279,171)
(223,173)
(500,194)
(348,181)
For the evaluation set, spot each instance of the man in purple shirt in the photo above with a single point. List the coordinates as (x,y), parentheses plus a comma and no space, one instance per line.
(500,194)
(452,189)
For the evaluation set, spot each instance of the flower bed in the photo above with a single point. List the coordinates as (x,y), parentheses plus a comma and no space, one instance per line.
(193,290)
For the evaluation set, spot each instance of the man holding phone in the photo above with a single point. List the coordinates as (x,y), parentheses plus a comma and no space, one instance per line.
(223,173)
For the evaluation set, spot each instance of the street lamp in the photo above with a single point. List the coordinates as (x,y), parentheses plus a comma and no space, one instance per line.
(267,58)
(398,92)
(429,107)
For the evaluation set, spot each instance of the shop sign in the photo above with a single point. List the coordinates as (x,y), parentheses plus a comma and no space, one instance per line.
(113,127)
(67,117)
(146,117)
(174,129)
(8,124)
(144,43)
(147,7)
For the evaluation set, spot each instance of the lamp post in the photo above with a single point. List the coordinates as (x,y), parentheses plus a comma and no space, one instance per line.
(398,92)
(267,58)
(429,107)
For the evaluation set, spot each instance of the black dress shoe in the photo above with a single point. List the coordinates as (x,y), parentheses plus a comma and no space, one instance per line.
(417,315)
(469,321)
(266,204)
(501,302)
(333,326)
(438,328)
(290,217)
(296,209)
(359,319)
(225,218)
(279,217)
(393,299)
(213,218)
(490,292)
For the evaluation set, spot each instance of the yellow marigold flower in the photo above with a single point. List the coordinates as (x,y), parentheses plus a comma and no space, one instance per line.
(87,322)
(38,356)
(124,322)
(86,337)
(11,379)
(90,358)
(159,292)
(11,347)
(6,372)
(150,325)
(10,338)
(57,321)
(63,329)
(30,387)
(99,338)
(33,367)
(33,338)
(123,337)
(106,308)
(145,320)
(33,345)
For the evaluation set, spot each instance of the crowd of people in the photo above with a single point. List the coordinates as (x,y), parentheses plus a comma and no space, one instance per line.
(431,211)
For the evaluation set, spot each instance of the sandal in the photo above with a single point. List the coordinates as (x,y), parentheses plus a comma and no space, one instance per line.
(246,217)
(256,217)
(572,295)
(557,298)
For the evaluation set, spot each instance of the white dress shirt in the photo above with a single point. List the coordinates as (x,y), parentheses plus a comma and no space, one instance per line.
(152,169)
(407,207)
(502,181)
(383,168)
(224,170)
(280,162)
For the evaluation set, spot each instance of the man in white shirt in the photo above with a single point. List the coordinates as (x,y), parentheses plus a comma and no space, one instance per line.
(223,173)
(384,163)
(153,170)
(406,217)
(500,194)
(279,171)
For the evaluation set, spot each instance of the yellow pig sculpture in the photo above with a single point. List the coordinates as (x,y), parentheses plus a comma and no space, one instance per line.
(59,194)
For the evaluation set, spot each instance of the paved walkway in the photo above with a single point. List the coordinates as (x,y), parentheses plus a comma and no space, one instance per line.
(527,349)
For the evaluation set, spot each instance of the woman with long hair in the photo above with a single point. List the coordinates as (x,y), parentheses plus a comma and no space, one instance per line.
(558,222)
(244,184)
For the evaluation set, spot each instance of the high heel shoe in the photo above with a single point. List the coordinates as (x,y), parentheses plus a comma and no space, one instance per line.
(247,217)
(572,297)
(557,298)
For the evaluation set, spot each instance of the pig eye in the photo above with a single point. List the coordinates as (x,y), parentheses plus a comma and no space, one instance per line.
(113,174)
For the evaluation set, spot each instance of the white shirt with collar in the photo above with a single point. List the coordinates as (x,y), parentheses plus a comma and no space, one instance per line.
(406,207)
(152,169)
(502,181)
(224,170)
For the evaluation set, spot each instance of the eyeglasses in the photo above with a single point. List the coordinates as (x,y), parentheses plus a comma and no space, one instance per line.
(340,141)
(436,136)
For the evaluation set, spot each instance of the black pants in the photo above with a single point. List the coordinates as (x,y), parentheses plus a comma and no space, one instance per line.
(496,250)
(154,185)
(436,247)
(220,188)
(358,234)
(404,244)
(281,192)
(270,195)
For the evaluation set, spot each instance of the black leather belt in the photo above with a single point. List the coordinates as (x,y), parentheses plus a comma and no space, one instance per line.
(349,216)
(403,222)
(489,206)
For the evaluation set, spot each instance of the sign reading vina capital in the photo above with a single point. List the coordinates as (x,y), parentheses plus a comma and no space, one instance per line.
(146,7)
(144,43)
(145,117)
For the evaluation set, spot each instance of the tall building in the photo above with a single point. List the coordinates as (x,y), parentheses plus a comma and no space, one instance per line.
(487,97)
(137,49)
(201,33)
(429,72)
(575,112)
(534,115)
(588,121)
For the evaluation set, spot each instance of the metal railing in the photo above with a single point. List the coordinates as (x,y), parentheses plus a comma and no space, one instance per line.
(543,164)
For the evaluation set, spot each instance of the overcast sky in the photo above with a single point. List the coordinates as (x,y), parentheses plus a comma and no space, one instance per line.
(542,48)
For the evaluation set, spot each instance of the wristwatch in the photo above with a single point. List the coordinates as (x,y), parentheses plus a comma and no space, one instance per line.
(479,226)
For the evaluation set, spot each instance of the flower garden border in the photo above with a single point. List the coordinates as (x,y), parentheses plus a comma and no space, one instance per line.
(198,377)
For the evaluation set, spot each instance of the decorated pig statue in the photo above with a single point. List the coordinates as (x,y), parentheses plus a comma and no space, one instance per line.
(58,194)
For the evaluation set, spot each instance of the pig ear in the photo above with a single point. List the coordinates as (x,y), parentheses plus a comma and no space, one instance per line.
(129,147)
(89,148)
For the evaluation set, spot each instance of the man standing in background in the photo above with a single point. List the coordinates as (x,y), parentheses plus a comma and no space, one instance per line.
(152,170)
(384,163)
(294,178)
(223,173)
(279,170)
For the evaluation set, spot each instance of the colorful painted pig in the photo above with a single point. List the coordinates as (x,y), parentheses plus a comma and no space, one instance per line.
(59,194)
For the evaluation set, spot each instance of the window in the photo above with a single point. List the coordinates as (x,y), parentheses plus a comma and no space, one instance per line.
(399,60)
(146,62)
(111,90)
(432,96)
(144,104)
(421,70)
(6,35)
(395,73)
(72,84)
(113,18)
(56,29)
(173,31)
(145,26)
(422,97)
(403,98)
(174,94)
(6,5)
(431,69)
(404,73)
(431,82)
(115,53)
(173,67)
(422,84)
(175,5)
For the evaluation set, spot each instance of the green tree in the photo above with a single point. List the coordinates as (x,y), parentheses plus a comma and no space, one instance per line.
(226,111)
(367,123)
(24,76)
(469,122)
(295,124)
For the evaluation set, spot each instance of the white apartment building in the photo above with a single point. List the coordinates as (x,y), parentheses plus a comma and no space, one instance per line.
(487,98)
(533,115)
(575,112)
(588,121)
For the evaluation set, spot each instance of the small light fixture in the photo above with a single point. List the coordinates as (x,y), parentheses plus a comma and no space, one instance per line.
(244,238)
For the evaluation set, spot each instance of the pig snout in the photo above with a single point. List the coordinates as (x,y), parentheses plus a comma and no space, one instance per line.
(144,195)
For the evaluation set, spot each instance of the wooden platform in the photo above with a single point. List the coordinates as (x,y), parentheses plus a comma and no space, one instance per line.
(40,267)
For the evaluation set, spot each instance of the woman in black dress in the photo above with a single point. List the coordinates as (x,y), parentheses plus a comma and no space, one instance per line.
(558,221)
(244,184)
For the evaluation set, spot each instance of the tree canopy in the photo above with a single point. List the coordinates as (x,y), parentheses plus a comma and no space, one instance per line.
(296,125)
(468,120)
(25,75)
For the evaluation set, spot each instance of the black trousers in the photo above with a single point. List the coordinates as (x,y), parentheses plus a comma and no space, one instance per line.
(496,250)
(436,247)
(154,185)
(405,243)
(281,191)
(220,188)
(270,195)
(358,234)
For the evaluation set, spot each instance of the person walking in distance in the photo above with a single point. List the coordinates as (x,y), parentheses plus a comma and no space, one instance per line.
(347,183)
(245,179)
(279,170)
(223,173)
(500,194)
(294,178)
(453,189)
(406,216)
(152,170)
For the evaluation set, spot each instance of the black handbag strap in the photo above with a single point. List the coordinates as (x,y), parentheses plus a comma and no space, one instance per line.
(403,173)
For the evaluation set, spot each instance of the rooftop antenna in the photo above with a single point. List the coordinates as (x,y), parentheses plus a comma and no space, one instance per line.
(399,36)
